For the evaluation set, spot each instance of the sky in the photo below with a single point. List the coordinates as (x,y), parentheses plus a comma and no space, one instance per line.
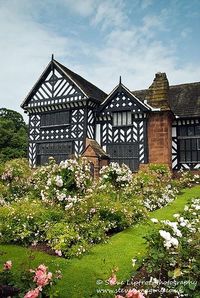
(98,39)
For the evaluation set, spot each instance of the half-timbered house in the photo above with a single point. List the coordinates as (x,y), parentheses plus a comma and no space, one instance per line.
(160,124)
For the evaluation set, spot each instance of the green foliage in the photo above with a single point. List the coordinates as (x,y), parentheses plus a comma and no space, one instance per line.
(187,179)
(27,221)
(13,135)
(63,184)
(39,282)
(65,239)
(15,179)
(174,252)
(153,185)
(116,175)
(81,275)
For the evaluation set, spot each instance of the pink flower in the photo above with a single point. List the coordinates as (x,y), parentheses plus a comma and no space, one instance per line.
(134,294)
(32,293)
(58,252)
(119,296)
(41,277)
(112,280)
(7,265)
(42,267)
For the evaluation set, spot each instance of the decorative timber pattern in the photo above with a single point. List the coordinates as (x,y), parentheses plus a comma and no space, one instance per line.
(65,110)
(123,128)
(90,124)
(55,92)
(34,135)
(77,129)
(186,144)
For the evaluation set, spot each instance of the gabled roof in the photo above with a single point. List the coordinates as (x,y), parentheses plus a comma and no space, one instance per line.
(88,89)
(184,99)
(98,151)
(118,88)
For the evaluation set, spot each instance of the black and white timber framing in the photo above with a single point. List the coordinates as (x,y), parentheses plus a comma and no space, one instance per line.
(122,126)
(64,109)
(186,144)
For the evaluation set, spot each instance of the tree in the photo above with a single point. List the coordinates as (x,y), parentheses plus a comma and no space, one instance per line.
(13,135)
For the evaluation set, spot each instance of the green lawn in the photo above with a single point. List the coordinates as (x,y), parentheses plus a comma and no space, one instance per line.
(80,276)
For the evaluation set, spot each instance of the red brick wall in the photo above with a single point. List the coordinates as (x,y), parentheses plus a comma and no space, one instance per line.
(159,137)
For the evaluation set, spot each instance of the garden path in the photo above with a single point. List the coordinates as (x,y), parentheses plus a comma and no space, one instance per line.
(84,277)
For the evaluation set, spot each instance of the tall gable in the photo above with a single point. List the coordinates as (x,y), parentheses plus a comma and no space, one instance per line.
(121,99)
(57,87)
(91,90)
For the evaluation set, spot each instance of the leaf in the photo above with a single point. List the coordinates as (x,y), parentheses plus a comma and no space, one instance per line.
(192,285)
(177,273)
(170,273)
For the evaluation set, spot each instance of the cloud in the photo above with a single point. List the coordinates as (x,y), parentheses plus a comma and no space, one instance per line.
(146,3)
(83,8)
(110,14)
(26,48)
(111,45)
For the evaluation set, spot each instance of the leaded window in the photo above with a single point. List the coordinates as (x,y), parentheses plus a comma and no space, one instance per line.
(189,143)
(55,119)
(122,118)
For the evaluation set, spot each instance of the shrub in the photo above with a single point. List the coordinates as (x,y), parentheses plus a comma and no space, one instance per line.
(63,183)
(26,221)
(32,284)
(174,253)
(187,179)
(64,238)
(116,175)
(153,186)
(15,179)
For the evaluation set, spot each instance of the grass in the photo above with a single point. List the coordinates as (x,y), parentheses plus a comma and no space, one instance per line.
(84,277)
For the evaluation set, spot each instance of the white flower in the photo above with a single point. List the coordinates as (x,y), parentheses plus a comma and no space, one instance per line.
(69,206)
(154,220)
(165,235)
(59,181)
(167,244)
(133,262)
(174,242)
(176,215)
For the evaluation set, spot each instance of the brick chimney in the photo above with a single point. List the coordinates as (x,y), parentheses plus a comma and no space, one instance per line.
(159,125)
(158,92)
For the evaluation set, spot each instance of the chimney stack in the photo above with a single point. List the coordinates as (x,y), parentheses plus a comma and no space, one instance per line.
(158,92)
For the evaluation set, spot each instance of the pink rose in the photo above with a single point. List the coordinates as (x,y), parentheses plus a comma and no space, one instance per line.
(58,252)
(42,267)
(119,296)
(112,280)
(7,265)
(134,294)
(32,293)
(41,278)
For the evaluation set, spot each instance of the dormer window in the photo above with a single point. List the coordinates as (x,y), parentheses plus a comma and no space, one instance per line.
(122,118)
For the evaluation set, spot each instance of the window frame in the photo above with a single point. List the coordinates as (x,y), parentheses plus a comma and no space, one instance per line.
(53,117)
(122,118)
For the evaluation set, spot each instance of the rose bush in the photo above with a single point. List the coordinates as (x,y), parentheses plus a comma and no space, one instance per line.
(173,260)
(36,283)
(116,175)
(63,184)
(15,180)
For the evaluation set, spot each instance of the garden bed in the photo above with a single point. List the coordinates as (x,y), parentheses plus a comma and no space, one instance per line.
(80,276)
